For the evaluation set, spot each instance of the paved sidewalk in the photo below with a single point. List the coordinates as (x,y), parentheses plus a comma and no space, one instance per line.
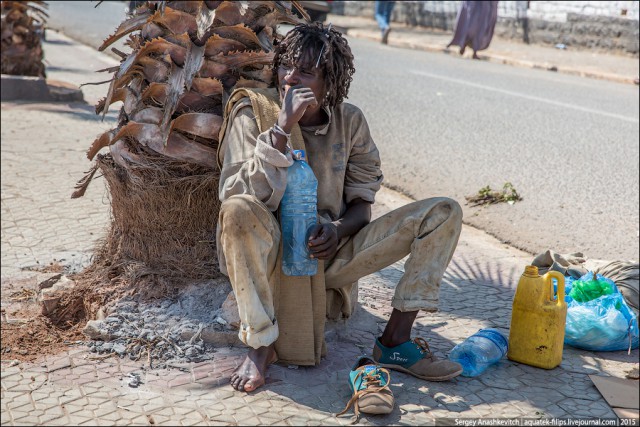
(618,68)
(43,148)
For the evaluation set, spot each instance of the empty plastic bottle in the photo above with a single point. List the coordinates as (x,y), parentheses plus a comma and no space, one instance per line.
(479,351)
(298,212)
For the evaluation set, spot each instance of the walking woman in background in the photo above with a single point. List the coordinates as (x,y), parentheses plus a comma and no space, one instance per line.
(474,25)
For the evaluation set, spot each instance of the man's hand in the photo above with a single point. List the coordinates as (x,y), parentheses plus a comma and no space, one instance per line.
(324,238)
(295,103)
(323,241)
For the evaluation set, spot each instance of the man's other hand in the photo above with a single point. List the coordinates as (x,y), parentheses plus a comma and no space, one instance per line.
(323,241)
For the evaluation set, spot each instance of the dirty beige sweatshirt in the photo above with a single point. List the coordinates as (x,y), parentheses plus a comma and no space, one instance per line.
(341,154)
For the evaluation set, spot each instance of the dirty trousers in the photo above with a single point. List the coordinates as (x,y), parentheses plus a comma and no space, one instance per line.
(426,230)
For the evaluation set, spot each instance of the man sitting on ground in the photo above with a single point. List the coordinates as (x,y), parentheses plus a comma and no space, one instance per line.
(313,68)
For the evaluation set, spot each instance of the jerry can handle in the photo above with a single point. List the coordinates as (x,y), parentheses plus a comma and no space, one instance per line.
(560,278)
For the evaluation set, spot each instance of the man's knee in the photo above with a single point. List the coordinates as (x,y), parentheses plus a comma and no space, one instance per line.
(237,214)
(439,211)
(245,215)
(455,210)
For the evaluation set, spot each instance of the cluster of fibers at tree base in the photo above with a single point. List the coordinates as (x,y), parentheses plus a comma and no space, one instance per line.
(164,215)
(103,284)
(162,236)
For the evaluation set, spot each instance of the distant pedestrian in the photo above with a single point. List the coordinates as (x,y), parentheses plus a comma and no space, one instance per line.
(383,16)
(474,25)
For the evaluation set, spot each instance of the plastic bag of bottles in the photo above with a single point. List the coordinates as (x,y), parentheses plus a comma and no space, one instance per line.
(598,317)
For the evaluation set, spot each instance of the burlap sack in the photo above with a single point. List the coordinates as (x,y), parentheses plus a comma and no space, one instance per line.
(299,302)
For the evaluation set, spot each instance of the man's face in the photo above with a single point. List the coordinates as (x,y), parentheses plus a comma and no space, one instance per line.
(302,73)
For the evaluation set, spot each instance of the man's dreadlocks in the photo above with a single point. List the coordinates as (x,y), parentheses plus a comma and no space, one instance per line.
(305,43)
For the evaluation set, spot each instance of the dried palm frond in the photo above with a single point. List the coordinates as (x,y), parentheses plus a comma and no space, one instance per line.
(186,58)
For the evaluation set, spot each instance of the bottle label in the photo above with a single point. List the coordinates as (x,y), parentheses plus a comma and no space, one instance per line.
(494,335)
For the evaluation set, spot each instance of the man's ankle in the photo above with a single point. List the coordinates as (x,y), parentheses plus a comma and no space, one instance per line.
(392,341)
(262,355)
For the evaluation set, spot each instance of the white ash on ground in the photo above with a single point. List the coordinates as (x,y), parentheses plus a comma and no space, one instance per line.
(186,328)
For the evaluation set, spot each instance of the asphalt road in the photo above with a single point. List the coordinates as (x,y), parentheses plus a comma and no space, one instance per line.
(446,126)
(569,145)
(88,21)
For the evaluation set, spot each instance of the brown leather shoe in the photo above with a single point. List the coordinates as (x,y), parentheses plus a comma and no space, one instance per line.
(415,358)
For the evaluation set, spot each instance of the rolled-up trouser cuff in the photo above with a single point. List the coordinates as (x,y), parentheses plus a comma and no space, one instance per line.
(262,338)
(414,305)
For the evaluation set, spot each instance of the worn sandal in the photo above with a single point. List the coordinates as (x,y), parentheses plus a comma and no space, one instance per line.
(370,386)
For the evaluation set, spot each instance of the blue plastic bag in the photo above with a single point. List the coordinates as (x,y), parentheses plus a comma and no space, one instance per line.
(602,324)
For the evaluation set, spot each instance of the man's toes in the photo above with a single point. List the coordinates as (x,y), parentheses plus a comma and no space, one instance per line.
(235,383)
(250,386)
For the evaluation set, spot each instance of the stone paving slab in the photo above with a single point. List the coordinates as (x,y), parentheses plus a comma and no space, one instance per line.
(76,386)
(43,149)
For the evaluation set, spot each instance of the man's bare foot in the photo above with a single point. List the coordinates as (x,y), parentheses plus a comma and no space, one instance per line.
(251,374)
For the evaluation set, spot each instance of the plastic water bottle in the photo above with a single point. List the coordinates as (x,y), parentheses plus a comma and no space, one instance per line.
(479,351)
(298,212)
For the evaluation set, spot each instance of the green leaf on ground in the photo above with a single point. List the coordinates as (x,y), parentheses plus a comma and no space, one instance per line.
(486,196)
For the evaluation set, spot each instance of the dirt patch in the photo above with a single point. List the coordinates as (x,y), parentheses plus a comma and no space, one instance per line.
(29,340)
(54,267)
(27,335)
(29,332)
(136,317)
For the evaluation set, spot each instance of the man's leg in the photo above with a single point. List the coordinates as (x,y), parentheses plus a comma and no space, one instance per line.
(388,11)
(250,237)
(428,232)
(383,16)
(380,10)
(398,329)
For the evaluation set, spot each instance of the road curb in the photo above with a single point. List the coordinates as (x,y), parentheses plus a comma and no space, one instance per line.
(559,69)
(38,89)
(500,59)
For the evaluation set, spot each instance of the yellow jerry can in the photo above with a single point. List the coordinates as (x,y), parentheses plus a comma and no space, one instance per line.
(536,336)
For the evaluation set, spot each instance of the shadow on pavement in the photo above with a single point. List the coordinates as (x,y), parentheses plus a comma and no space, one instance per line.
(79,110)
(58,42)
(64,69)
(470,292)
